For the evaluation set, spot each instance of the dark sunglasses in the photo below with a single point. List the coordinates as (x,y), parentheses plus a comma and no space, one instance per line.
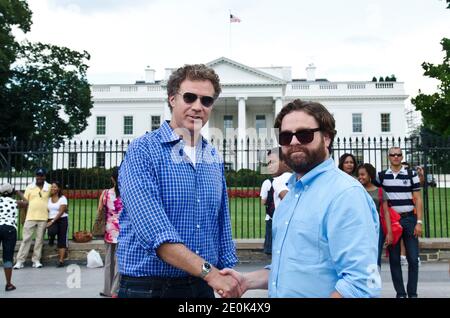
(304,136)
(395,155)
(190,98)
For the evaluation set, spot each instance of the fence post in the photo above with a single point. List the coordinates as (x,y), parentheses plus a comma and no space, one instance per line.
(8,164)
(425,188)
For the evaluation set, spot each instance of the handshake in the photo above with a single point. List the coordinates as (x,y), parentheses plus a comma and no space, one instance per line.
(228,283)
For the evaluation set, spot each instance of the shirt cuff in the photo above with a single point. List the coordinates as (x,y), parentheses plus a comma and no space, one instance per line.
(166,237)
(348,290)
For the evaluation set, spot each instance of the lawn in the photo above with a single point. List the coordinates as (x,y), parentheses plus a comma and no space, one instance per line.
(247,215)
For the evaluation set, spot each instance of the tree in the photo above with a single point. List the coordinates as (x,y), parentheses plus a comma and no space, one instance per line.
(381,79)
(374,79)
(435,108)
(12,13)
(45,96)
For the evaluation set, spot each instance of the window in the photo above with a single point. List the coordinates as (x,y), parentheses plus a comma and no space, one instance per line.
(73,157)
(260,123)
(101,125)
(227,123)
(385,122)
(128,125)
(357,123)
(156,122)
(100,159)
(359,156)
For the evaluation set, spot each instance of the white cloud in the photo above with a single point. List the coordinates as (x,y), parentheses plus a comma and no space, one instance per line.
(354,41)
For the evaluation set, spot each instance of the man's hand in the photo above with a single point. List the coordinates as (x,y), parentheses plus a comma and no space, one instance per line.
(241,279)
(224,285)
(418,230)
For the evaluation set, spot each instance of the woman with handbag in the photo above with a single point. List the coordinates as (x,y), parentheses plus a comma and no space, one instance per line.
(366,174)
(110,205)
(58,221)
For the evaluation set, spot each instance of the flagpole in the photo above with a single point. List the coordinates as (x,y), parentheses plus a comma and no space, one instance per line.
(229,40)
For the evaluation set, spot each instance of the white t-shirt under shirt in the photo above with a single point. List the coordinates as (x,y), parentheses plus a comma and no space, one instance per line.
(8,211)
(53,208)
(190,152)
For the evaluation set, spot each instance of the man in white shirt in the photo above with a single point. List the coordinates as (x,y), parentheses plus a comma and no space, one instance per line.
(273,191)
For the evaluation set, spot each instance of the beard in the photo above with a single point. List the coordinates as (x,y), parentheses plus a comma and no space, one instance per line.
(302,160)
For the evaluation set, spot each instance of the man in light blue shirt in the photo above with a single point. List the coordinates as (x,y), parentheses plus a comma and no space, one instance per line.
(325,231)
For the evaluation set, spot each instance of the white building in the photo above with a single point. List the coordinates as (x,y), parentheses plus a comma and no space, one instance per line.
(250,99)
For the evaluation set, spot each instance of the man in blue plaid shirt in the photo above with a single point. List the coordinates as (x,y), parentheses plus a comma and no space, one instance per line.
(175,230)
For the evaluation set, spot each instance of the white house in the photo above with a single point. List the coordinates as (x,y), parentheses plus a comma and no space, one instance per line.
(250,99)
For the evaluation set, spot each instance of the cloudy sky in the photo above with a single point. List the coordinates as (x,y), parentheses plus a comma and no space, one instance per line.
(346,40)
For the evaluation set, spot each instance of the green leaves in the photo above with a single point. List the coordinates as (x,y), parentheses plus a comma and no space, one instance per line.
(44,93)
(435,108)
(50,84)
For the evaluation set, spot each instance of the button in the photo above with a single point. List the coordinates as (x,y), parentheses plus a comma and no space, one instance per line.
(198,226)
(287,222)
(278,252)
(181,152)
(198,200)
(197,252)
(213,152)
(273,284)
(296,195)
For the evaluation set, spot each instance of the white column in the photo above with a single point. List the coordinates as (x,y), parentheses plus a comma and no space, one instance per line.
(278,105)
(242,122)
(166,112)
(242,161)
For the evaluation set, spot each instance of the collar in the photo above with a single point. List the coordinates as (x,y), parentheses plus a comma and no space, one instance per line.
(45,188)
(311,175)
(168,135)
(401,171)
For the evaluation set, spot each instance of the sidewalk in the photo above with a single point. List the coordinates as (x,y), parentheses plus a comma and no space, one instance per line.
(52,282)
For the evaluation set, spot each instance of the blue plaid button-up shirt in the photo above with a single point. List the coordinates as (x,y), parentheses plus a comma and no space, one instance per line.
(167,199)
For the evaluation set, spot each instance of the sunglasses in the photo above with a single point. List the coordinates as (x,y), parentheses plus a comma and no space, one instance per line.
(190,98)
(395,155)
(304,136)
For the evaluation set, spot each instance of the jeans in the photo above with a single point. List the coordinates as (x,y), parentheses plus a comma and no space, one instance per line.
(268,238)
(412,253)
(159,287)
(59,228)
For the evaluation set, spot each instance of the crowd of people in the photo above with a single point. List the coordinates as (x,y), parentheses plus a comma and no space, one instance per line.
(326,225)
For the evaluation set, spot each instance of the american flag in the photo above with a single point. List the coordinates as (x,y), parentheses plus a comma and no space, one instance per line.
(234,18)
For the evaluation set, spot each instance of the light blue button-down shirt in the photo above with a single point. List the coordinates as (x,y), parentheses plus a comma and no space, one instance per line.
(325,238)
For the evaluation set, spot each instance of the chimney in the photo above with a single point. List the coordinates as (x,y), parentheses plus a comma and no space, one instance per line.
(149,75)
(311,72)
(168,73)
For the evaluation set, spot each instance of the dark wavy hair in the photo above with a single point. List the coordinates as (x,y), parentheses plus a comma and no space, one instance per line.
(115,176)
(194,72)
(58,184)
(342,160)
(318,111)
(371,171)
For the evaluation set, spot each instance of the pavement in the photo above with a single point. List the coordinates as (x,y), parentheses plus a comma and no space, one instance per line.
(78,281)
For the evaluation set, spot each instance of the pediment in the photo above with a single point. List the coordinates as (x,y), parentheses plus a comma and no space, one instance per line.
(234,73)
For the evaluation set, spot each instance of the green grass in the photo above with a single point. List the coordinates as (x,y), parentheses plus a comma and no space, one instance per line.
(439,216)
(247,215)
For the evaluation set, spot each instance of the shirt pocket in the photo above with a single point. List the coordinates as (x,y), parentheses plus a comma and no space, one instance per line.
(305,243)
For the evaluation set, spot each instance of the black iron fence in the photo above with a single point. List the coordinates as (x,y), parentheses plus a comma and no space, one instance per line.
(84,170)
